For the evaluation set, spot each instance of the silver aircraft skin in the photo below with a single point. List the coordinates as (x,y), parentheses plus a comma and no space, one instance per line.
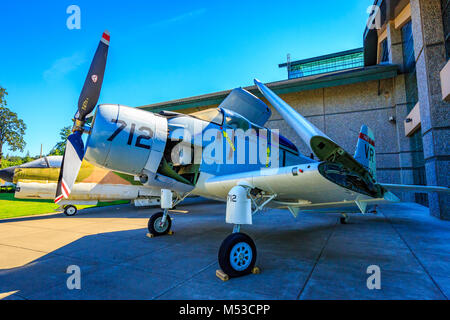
(37,180)
(156,148)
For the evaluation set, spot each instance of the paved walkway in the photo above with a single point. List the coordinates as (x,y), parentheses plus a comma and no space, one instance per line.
(312,257)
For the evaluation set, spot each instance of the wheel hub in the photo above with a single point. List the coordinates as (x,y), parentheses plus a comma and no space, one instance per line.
(159,226)
(241,256)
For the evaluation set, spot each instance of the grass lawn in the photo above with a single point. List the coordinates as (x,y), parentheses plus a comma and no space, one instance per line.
(11,207)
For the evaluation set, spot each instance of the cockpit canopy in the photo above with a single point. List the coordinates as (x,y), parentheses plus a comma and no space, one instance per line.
(45,162)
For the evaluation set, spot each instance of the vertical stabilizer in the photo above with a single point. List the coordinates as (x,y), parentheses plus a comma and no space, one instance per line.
(365,150)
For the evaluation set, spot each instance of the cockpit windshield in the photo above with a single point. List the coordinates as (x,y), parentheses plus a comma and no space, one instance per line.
(54,161)
(39,163)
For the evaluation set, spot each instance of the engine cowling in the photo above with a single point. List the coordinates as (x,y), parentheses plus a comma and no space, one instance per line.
(126,139)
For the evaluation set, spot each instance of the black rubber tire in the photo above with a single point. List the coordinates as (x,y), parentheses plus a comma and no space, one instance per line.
(151,224)
(225,250)
(67,208)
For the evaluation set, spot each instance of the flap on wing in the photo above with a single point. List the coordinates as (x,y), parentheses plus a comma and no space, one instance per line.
(414,188)
(249,106)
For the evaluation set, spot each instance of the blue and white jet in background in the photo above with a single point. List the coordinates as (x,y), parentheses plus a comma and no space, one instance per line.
(143,144)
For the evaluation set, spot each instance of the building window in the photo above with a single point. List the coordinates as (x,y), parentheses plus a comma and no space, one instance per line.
(325,64)
(409,66)
(384,51)
(446,20)
(409,59)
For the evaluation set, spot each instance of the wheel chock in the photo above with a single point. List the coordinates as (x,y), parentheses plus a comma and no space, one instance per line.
(222,275)
(150,235)
(256,270)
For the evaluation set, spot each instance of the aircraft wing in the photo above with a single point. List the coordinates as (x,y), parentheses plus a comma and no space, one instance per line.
(414,188)
(319,143)
(301,183)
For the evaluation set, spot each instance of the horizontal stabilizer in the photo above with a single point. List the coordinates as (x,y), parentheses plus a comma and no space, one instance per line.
(414,188)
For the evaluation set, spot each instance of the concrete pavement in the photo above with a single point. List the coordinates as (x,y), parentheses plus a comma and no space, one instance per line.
(312,257)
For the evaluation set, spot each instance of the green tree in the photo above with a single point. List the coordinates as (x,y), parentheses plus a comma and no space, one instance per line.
(12,129)
(58,149)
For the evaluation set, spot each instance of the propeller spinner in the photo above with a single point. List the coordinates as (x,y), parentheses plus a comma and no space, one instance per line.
(74,152)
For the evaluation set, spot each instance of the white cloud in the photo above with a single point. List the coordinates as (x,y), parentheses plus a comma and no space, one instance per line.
(63,66)
(181,17)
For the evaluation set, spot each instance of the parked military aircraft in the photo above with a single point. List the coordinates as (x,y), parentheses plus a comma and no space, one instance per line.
(137,142)
(37,179)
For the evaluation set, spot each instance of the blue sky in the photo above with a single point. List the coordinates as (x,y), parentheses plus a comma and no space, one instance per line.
(159,51)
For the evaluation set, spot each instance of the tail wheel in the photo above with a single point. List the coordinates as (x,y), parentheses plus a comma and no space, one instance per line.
(70,210)
(156,228)
(237,255)
(344,219)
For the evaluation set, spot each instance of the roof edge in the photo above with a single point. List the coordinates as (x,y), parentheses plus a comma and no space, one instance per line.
(345,77)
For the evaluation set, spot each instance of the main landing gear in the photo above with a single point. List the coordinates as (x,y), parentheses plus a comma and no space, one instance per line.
(237,255)
(160,223)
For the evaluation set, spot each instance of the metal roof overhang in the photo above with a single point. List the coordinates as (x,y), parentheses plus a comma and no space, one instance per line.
(377,72)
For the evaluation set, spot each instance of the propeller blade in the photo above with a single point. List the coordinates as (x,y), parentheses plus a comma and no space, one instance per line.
(70,166)
(93,83)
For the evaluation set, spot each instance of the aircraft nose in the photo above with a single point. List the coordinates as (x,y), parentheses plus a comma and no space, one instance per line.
(7,174)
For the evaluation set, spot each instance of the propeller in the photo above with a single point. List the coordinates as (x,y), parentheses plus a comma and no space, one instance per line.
(74,152)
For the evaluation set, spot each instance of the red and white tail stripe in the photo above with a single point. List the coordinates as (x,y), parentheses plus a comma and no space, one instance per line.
(366,138)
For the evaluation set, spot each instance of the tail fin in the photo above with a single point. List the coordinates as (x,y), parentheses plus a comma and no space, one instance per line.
(365,150)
